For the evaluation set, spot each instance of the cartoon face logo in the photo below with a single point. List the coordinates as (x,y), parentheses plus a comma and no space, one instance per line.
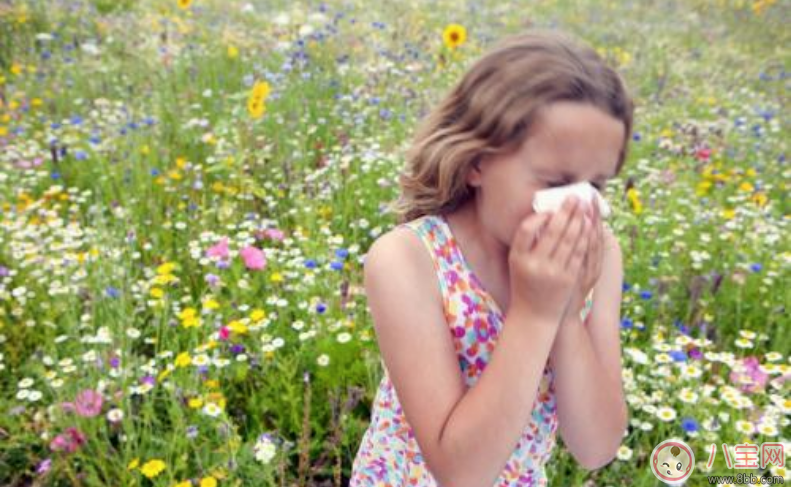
(672,461)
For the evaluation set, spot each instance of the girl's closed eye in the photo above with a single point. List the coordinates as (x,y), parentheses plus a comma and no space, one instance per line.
(554,185)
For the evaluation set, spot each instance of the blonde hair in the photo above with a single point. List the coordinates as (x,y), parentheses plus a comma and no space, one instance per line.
(493,107)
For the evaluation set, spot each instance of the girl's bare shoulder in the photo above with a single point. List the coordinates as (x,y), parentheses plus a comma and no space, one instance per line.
(401,255)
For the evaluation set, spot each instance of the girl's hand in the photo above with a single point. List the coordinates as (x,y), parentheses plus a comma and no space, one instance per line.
(600,239)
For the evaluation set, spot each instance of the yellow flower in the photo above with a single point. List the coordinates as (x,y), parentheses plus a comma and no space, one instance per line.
(133,464)
(152,468)
(728,213)
(166,268)
(156,292)
(238,327)
(184,483)
(276,277)
(257,315)
(633,196)
(454,35)
(191,322)
(208,482)
(256,107)
(210,304)
(261,90)
(195,402)
(233,52)
(183,359)
(183,4)
(760,199)
(187,313)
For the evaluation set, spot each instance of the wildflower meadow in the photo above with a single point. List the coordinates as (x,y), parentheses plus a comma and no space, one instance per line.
(188,190)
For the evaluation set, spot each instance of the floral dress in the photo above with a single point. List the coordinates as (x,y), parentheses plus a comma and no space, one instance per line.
(389,455)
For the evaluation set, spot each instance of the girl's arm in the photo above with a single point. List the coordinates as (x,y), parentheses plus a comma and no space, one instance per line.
(592,412)
(466,435)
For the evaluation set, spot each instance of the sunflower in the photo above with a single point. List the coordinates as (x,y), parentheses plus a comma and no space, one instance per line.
(454,36)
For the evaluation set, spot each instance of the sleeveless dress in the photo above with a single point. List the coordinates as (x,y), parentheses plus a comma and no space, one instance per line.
(389,455)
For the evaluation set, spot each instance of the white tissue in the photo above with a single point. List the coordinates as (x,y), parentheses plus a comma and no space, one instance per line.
(551,199)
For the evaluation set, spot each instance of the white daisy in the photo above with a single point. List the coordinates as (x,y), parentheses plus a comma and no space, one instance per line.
(744,427)
(767,429)
(323,360)
(688,396)
(743,343)
(115,415)
(212,409)
(666,413)
(624,453)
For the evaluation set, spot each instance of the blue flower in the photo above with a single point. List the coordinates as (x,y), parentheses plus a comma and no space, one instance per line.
(678,355)
(336,265)
(689,424)
(342,253)
(636,136)
(627,323)
(646,295)
(80,155)
(112,292)
(155,172)
(55,175)
(321,308)
(625,286)
(756,267)
(310,263)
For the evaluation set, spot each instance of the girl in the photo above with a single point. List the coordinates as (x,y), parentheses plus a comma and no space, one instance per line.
(488,338)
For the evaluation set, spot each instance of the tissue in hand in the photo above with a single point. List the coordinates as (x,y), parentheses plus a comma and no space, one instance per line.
(551,199)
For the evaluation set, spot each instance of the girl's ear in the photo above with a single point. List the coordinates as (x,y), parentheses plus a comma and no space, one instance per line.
(474,175)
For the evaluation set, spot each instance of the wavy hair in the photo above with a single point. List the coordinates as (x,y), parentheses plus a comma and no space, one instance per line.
(492,109)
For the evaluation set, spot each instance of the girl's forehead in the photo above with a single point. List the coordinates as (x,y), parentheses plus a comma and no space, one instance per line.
(575,139)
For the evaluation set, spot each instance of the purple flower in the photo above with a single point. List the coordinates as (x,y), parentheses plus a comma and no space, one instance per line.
(44,466)
(212,279)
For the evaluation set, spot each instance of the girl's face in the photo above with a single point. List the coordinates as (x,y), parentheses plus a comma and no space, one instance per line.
(572,142)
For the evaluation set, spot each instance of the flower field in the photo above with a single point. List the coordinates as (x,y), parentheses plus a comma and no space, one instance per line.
(188,190)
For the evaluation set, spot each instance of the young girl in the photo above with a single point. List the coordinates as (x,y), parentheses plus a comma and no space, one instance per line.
(498,325)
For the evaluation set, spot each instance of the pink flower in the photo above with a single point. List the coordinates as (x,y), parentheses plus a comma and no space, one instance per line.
(274,234)
(220,249)
(253,257)
(703,154)
(88,404)
(748,376)
(224,332)
(68,441)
